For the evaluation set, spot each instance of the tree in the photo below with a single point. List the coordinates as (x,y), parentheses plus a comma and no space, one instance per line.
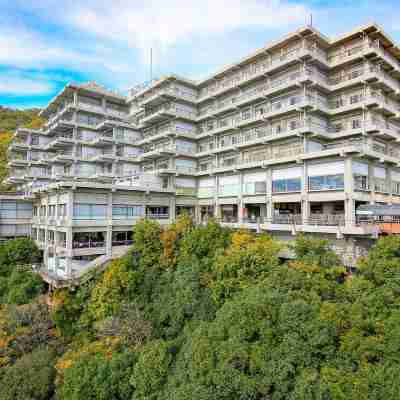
(151,370)
(313,250)
(30,378)
(22,251)
(244,263)
(146,243)
(99,378)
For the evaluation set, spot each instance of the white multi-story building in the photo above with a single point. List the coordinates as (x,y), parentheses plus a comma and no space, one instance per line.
(292,138)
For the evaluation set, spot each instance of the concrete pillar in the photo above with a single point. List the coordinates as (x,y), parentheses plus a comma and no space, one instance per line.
(349,212)
(109,224)
(240,200)
(305,204)
(269,203)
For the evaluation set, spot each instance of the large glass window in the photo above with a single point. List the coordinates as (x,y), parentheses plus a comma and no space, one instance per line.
(90,211)
(326,176)
(326,182)
(123,211)
(286,185)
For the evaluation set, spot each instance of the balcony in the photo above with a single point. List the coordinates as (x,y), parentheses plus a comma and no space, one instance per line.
(259,69)
(87,244)
(157,216)
(102,140)
(287,219)
(105,156)
(326,220)
(186,191)
(167,111)
(159,151)
(64,157)
(159,95)
(60,141)
(358,51)
(17,145)
(117,113)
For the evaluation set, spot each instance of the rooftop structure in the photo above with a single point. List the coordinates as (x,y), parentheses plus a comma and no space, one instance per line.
(293,138)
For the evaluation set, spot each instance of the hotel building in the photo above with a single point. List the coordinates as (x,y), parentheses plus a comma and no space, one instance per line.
(293,138)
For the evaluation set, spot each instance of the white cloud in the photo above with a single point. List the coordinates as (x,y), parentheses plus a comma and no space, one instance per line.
(168,23)
(29,49)
(12,84)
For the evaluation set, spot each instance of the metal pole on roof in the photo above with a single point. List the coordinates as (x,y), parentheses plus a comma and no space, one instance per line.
(311,21)
(151,64)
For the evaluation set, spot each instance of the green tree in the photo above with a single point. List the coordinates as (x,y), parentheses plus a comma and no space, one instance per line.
(30,378)
(98,378)
(146,243)
(16,252)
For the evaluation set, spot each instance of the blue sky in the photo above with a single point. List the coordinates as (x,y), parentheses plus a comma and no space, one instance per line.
(47,43)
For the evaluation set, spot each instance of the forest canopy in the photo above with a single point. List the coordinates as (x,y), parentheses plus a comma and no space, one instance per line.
(203,312)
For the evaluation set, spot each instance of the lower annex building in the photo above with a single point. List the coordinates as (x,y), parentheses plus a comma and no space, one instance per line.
(293,138)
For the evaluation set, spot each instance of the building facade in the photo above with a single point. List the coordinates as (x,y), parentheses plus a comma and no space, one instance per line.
(293,138)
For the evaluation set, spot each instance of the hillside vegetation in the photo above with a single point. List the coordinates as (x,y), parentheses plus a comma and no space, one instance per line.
(202,312)
(10,120)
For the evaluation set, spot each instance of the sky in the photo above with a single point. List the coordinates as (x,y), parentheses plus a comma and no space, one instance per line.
(44,44)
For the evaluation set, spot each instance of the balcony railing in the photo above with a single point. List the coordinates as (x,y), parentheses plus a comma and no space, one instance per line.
(122,242)
(287,219)
(157,216)
(261,67)
(87,244)
(326,219)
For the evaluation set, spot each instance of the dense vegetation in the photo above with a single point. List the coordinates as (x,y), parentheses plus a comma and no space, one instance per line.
(10,120)
(206,313)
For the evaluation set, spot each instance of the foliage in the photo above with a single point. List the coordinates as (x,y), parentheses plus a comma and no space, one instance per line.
(99,378)
(151,370)
(22,251)
(245,262)
(146,242)
(109,293)
(30,378)
(18,283)
(313,250)
(203,312)
(25,328)
(170,239)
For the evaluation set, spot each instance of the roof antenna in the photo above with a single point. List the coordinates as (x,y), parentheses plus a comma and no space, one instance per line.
(311,21)
(151,64)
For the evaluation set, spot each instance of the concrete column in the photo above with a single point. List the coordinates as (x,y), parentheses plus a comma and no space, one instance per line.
(217,210)
(305,204)
(269,203)
(109,224)
(348,177)
(172,209)
(240,199)
(349,212)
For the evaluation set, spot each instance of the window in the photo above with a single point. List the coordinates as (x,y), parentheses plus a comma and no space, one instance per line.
(90,211)
(326,182)
(157,212)
(246,114)
(124,211)
(286,185)
(62,210)
(360,176)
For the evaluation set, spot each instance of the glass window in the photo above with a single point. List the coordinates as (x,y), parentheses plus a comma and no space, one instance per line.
(286,185)
(326,182)
(90,211)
